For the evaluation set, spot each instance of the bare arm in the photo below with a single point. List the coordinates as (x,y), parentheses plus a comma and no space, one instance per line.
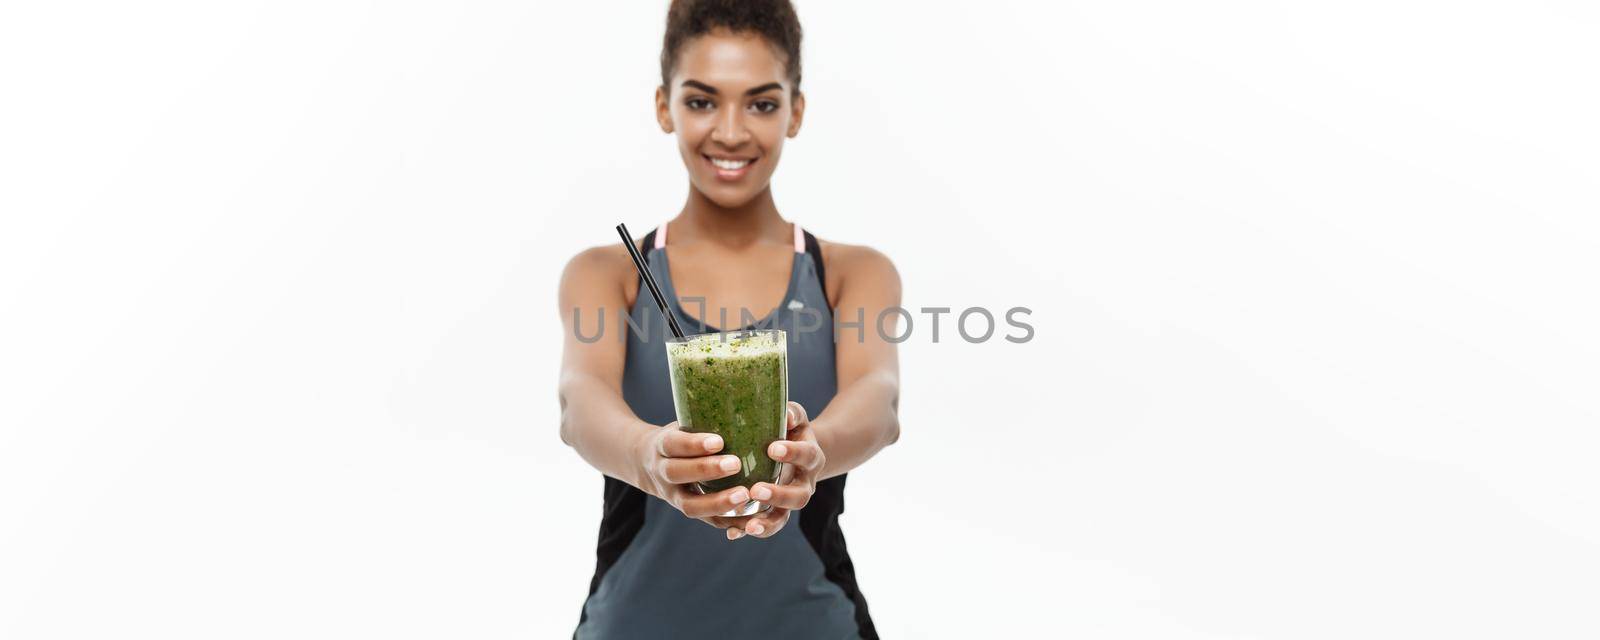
(594,419)
(863,416)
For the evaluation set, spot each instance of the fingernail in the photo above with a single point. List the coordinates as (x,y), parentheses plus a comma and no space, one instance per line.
(761,493)
(734,534)
(780,450)
(713,443)
(755,528)
(730,463)
(740,497)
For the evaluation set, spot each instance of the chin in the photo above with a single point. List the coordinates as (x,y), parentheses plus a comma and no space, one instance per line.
(729,198)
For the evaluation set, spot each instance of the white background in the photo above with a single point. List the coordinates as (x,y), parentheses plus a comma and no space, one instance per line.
(1314,291)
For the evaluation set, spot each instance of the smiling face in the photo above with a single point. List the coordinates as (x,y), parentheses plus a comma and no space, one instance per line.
(731,105)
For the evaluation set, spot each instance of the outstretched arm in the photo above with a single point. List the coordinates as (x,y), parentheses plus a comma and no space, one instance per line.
(864,415)
(594,419)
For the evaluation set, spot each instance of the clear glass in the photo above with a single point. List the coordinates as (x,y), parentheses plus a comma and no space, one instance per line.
(736,385)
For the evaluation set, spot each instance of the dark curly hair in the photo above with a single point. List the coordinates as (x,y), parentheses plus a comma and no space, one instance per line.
(773,20)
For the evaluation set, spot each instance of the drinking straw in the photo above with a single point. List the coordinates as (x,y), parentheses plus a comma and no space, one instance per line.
(655,291)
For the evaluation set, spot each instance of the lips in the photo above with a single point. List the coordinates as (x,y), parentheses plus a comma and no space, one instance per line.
(730,168)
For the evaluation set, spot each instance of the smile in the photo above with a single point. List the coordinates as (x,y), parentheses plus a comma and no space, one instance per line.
(730,168)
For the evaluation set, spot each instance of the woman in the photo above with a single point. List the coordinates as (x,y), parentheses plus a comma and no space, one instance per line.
(730,92)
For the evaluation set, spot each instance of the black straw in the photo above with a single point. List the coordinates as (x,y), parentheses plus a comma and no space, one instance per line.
(638,263)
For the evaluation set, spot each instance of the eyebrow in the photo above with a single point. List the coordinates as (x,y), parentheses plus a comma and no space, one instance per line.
(696,84)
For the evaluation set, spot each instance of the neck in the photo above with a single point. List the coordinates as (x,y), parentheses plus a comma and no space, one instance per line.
(732,227)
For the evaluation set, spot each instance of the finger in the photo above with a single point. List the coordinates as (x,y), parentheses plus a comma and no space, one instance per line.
(801,453)
(734,533)
(766,525)
(785,497)
(704,506)
(682,444)
(797,416)
(728,522)
(701,469)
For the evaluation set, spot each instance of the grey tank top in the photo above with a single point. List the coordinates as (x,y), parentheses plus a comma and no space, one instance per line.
(659,574)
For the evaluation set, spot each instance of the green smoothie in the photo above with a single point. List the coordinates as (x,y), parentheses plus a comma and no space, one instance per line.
(735,385)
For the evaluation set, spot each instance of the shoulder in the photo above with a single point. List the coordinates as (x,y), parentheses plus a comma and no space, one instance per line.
(603,266)
(603,257)
(855,258)
(856,266)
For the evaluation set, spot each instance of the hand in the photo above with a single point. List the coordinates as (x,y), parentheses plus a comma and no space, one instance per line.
(671,460)
(803,461)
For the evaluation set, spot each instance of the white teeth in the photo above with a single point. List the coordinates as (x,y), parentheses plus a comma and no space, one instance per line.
(729,165)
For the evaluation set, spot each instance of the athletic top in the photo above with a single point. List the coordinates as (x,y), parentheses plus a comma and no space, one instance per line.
(660,574)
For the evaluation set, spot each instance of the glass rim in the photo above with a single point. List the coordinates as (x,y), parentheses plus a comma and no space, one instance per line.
(727,335)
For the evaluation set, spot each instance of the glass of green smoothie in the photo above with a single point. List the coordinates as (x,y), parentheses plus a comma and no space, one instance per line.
(735,385)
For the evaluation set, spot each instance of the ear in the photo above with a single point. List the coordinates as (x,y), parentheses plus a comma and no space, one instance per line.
(797,113)
(663,110)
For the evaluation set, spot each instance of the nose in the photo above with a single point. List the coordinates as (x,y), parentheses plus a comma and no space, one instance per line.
(730,130)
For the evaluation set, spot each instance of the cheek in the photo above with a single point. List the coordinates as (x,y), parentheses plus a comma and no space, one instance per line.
(700,130)
(769,133)
(686,125)
(772,142)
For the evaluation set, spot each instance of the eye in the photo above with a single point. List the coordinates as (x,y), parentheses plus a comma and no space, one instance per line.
(764,106)
(697,104)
